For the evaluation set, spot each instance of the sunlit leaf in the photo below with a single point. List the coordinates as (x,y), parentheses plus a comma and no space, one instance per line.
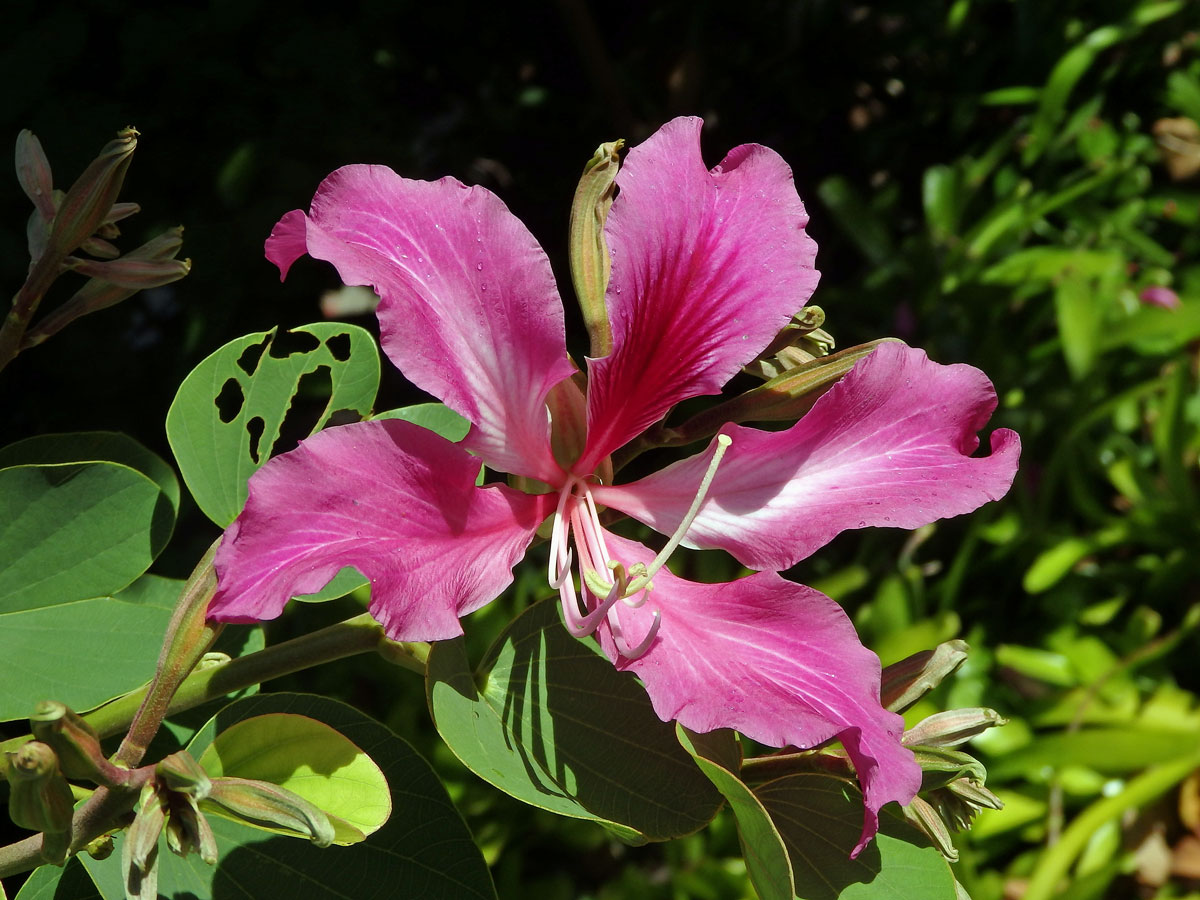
(309,759)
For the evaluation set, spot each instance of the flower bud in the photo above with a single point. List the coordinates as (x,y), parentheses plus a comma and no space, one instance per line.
(940,766)
(90,200)
(953,727)
(39,797)
(590,262)
(270,806)
(926,819)
(180,773)
(73,740)
(130,272)
(906,682)
(784,398)
(33,173)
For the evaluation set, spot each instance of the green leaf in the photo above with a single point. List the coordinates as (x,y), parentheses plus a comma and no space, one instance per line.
(309,759)
(820,818)
(93,446)
(85,652)
(437,417)
(855,217)
(941,196)
(424,850)
(71,882)
(77,530)
(767,861)
(228,412)
(545,718)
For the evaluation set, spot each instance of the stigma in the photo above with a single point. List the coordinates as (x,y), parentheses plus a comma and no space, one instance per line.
(577,541)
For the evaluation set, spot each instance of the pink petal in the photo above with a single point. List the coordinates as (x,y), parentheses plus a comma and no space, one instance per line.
(395,501)
(777,661)
(288,241)
(469,309)
(889,445)
(707,267)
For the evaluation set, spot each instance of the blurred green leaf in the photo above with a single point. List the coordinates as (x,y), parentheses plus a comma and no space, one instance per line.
(229,411)
(855,217)
(544,718)
(1109,750)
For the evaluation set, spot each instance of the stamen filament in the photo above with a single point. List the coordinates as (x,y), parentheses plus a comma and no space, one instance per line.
(723,442)
(640,650)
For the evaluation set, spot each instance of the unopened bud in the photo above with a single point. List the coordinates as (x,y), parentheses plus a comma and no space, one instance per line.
(270,806)
(73,740)
(906,682)
(784,398)
(940,766)
(953,727)
(181,773)
(590,262)
(100,248)
(975,793)
(131,272)
(33,173)
(90,200)
(800,341)
(39,797)
(927,820)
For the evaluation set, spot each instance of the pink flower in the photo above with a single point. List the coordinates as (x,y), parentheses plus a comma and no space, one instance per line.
(707,266)
(1157,295)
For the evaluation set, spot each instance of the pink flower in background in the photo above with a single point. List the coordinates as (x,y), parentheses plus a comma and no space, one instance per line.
(707,266)
(1160,296)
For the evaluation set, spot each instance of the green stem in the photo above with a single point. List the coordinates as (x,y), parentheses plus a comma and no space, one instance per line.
(1054,862)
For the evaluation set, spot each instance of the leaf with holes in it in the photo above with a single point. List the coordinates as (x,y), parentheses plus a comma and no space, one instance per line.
(230,410)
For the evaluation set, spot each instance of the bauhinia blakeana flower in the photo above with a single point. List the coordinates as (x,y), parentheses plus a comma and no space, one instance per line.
(707,267)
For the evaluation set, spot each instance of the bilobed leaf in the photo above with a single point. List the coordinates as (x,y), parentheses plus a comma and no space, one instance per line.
(309,759)
(228,412)
(85,652)
(551,722)
(819,818)
(76,530)
(767,861)
(425,850)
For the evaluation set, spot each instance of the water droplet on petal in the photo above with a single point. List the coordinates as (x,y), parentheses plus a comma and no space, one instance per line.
(479,267)
(862,523)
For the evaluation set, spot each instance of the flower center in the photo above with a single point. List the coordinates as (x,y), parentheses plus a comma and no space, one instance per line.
(604,581)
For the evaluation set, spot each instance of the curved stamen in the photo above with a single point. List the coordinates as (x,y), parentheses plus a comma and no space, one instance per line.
(564,571)
(558,536)
(584,626)
(640,650)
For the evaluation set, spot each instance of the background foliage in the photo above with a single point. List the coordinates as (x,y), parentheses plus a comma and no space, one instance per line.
(984,181)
